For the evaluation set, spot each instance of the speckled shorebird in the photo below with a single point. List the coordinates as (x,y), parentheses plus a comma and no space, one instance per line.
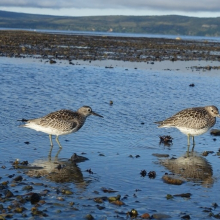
(192,121)
(61,122)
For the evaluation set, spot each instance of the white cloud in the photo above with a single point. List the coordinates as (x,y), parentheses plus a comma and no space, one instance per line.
(159,5)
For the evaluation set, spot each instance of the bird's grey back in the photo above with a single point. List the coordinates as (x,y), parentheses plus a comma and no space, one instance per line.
(195,118)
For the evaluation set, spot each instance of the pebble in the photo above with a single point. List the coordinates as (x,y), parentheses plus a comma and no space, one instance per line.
(160,216)
(145,216)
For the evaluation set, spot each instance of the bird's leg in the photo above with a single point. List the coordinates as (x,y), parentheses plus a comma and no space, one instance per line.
(56,157)
(49,155)
(187,153)
(193,143)
(58,142)
(188,138)
(51,143)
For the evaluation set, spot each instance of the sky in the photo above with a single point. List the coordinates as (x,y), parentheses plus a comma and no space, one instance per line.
(195,8)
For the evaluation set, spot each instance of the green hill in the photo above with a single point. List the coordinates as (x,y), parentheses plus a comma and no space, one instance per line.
(170,24)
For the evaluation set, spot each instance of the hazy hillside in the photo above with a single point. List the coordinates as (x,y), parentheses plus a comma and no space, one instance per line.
(172,24)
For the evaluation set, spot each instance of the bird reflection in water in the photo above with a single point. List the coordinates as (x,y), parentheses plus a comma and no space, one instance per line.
(192,167)
(60,170)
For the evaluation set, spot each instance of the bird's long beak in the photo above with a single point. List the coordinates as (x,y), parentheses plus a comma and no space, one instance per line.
(93,113)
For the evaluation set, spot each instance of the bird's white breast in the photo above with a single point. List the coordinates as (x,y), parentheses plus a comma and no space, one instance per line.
(48,130)
(193,132)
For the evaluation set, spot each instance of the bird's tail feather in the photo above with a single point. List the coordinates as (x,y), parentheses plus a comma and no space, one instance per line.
(160,123)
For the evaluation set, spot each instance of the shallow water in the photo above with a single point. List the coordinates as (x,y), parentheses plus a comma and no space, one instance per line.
(31,88)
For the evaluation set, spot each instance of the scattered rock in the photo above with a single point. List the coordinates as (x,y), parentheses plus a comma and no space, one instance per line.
(192,85)
(108,190)
(28,188)
(166,140)
(160,216)
(215,205)
(99,199)
(117,202)
(19,209)
(172,180)
(161,155)
(185,217)
(18,179)
(215,132)
(89,217)
(114,198)
(89,171)
(52,61)
(133,213)
(145,216)
(143,173)
(152,174)
(67,192)
(8,194)
(77,158)
(100,207)
(35,198)
(186,195)
(168,196)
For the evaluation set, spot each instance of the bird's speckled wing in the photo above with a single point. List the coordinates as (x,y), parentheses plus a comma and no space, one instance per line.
(195,118)
(62,120)
(63,114)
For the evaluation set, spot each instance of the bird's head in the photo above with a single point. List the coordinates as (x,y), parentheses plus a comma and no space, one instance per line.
(86,111)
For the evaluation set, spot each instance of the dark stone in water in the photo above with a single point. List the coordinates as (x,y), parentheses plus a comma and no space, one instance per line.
(100,207)
(186,217)
(28,188)
(161,155)
(18,178)
(1,207)
(52,61)
(215,132)
(35,198)
(152,174)
(10,176)
(25,162)
(133,213)
(186,195)
(89,171)
(192,85)
(77,159)
(143,173)
(8,194)
(89,217)
(166,140)
(160,216)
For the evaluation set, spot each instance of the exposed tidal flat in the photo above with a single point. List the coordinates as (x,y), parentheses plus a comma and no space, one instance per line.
(127,162)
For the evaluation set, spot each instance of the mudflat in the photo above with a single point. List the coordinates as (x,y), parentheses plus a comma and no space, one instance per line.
(90,48)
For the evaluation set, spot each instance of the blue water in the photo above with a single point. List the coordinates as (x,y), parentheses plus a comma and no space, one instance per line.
(30,89)
(115,34)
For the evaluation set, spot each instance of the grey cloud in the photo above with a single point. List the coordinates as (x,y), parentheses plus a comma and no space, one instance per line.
(162,5)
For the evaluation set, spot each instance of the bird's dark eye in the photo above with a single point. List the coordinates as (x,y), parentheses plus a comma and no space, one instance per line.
(89,110)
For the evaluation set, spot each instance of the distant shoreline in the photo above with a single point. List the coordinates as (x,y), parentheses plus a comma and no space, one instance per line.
(162,24)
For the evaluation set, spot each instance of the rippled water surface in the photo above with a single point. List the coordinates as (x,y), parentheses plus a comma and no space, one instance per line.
(118,146)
